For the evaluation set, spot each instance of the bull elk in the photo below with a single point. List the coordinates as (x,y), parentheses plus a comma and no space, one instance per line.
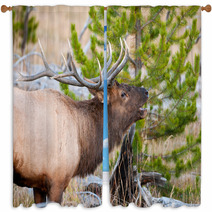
(57,138)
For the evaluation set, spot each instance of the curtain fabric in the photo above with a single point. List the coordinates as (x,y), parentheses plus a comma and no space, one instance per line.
(154,105)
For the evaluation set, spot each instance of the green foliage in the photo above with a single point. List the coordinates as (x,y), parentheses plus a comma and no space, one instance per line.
(165,69)
(89,68)
(137,147)
(65,89)
(162,163)
(170,77)
(186,194)
(112,162)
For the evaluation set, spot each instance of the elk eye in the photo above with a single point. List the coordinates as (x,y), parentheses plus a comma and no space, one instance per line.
(123,94)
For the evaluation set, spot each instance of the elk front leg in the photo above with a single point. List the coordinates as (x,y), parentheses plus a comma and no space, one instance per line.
(39,197)
(55,194)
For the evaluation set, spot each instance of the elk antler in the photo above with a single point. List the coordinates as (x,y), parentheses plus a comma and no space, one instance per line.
(94,83)
(50,73)
(114,71)
(110,58)
(73,72)
(117,67)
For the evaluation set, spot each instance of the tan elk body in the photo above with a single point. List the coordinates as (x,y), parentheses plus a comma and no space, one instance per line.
(57,138)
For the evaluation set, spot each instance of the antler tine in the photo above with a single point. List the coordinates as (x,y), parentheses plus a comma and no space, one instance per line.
(121,65)
(100,70)
(100,73)
(78,78)
(64,74)
(21,59)
(110,55)
(114,65)
(118,61)
(66,64)
(47,72)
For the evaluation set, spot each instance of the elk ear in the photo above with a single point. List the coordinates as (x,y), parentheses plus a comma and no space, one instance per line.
(99,95)
(116,83)
(92,91)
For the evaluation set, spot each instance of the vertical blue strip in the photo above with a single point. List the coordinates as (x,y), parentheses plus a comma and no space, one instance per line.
(105,132)
(105,162)
(105,116)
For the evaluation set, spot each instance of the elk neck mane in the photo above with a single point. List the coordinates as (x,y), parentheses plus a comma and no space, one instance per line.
(91,136)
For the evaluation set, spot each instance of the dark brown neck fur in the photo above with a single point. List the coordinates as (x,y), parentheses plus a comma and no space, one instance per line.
(91,140)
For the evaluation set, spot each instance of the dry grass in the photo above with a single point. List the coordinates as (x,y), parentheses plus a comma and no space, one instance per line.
(25,197)
(70,197)
(22,196)
(172,142)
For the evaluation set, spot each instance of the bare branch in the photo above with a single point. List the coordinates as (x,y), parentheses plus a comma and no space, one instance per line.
(152,177)
(153,18)
(144,193)
(169,202)
(85,197)
(21,59)
(88,21)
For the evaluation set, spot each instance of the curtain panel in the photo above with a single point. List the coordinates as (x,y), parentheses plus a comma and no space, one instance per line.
(154,105)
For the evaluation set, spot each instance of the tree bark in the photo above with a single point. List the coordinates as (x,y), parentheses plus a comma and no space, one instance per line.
(138,39)
(25,33)
(121,180)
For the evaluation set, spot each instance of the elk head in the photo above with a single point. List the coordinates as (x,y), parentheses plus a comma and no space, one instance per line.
(124,99)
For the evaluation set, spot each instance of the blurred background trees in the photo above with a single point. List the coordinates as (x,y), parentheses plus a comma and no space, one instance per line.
(24,27)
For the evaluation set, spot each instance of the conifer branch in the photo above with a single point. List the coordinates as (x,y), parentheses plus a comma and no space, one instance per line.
(170,156)
(153,18)
(173,31)
(159,123)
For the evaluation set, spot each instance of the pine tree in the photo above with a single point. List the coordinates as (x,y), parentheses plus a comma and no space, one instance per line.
(164,69)
(169,76)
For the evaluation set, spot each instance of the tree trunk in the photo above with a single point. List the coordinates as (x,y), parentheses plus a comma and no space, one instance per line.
(121,180)
(25,30)
(138,38)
